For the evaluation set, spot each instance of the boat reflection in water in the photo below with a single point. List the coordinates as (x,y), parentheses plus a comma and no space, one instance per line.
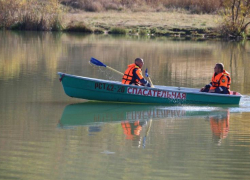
(136,119)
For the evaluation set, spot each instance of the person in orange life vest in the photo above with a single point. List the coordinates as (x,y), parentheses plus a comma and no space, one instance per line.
(133,74)
(221,81)
(132,129)
(220,126)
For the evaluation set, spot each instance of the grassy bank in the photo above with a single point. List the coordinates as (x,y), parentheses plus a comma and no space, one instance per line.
(194,6)
(152,23)
(154,17)
(139,23)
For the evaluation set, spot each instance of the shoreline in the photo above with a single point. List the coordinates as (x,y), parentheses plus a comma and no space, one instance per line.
(158,24)
(170,24)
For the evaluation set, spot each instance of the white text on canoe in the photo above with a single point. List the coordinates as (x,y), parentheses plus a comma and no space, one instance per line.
(156,93)
(110,87)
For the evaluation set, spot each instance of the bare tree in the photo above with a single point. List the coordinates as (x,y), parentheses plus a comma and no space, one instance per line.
(235,17)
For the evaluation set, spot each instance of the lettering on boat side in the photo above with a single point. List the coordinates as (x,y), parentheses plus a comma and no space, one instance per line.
(139,115)
(156,113)
(156,93)
(110,87)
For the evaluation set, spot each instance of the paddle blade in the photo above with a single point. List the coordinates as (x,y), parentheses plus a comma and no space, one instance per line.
(144,142)
(96,62)
(146,72)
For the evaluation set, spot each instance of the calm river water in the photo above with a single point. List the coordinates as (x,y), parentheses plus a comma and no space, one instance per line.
(45,134)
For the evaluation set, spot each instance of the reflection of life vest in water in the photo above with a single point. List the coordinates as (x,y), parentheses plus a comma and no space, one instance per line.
(131,129)
(220,126)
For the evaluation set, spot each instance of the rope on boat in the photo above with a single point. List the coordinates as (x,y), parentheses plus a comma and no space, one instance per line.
(61,77)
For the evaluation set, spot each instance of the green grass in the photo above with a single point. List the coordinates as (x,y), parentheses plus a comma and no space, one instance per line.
(203,24)
(57,25)
(133,31)
(143,32)
(78,27)
(117,30)
(98,31)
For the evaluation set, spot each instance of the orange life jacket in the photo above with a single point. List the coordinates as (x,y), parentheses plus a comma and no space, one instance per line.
(131,131)
(128,75)
(221,79)
(220,127)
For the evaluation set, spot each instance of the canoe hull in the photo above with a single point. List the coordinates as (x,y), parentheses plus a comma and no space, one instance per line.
(96,89)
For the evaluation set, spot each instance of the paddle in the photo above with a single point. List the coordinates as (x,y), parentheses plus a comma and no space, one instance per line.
(145,137)
(146,73)
(99,63)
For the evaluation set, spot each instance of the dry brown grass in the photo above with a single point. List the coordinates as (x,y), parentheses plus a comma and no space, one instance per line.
(30,14)
(194,6)
(46,14)
(78,27)
(143,19)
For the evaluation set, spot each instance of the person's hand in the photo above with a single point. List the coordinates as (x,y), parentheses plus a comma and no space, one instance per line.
(202,89)
(211,91)
(207,86)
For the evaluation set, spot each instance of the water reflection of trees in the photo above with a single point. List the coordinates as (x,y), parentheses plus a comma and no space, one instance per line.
(235,56)
(176,63)
(29,52)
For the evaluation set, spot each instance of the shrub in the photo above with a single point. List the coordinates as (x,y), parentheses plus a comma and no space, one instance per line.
(153,30)
(195,6)
(133,31)
(94,6)
(10,12)
(78,27)
(113,6)
(30,15)
(98,31)
(143,32)
(57,25)
(117,30)
(235,18)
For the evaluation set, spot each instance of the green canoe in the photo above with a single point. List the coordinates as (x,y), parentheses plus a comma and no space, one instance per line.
(97,113)
(104,90)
